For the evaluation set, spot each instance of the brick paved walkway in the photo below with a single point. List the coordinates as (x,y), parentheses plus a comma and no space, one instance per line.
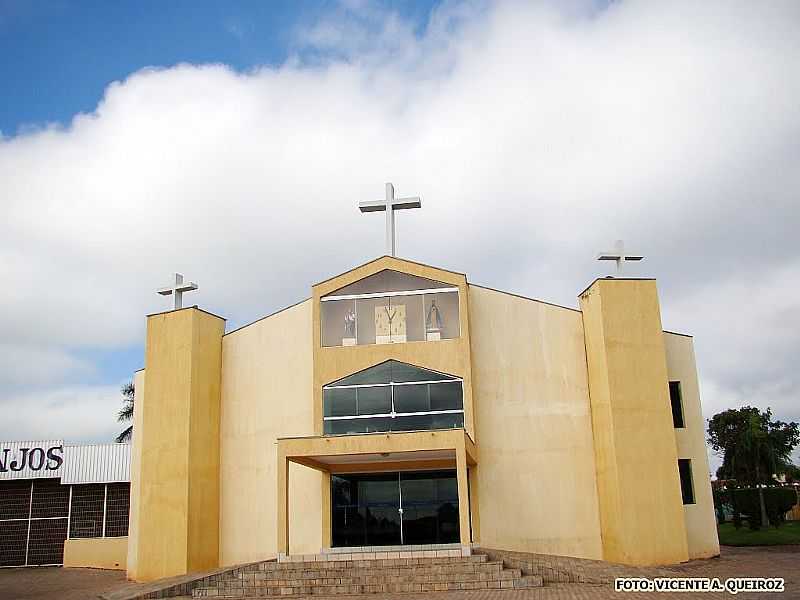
(84,584)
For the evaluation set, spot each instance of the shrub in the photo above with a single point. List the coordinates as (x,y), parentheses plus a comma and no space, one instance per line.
(745,503)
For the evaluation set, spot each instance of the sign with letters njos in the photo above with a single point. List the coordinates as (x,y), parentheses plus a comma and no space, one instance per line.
(31,460)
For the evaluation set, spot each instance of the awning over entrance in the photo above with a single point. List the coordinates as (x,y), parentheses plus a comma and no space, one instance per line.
(379,453)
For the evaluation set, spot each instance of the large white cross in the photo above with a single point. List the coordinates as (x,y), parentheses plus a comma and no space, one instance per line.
(619,256)
(390,204)
(177,289)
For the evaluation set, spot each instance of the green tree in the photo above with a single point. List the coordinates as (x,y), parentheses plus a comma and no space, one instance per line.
(753,446)
(126,412)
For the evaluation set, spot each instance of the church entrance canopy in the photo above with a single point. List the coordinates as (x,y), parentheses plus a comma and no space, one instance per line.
(369,473)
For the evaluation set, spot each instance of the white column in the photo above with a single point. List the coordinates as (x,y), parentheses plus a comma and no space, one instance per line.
(28,537)
(105,507)
(69,511)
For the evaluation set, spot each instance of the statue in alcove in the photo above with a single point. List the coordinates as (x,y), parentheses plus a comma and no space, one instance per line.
(350,324)
(434,323)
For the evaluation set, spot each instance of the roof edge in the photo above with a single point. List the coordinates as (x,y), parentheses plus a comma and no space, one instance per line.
(369,262)
(272,314)
(611,278)
(202,310)
(520,296)
(688,335)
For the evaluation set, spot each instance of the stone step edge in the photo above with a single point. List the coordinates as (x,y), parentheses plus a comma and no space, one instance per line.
(432,578)
(345,563)
(335,590)
(460,552)
(366,571)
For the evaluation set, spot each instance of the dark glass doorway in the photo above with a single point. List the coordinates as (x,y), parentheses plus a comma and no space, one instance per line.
(391,509)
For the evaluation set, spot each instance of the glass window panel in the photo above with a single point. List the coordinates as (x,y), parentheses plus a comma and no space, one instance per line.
(339,402)
(411,398)
(448,532)
(685,472)
(420,524)
(447,421)
(374,400)
(418,491)
(372,320)
(446,396)
(442,316)
(403,372)
(389,281)
(379,490)
(348,527)
(377,424)
(345,491)
(381,373)
(365,508)
(677,405)
(338,322)
(383,526)
(412,423)
(351,426)
(447,489)
(391,370)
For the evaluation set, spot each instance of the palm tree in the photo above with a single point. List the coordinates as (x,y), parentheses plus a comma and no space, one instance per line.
(126,413)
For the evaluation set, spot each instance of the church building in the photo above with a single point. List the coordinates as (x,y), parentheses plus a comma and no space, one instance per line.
(401,408)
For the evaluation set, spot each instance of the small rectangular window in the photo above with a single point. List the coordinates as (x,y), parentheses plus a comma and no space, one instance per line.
(675,398)
(687,489)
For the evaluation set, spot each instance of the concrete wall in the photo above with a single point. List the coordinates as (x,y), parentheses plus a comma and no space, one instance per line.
(536,472)
(178,471)
(266,394)
(98,553)
(641,511)
(701,524)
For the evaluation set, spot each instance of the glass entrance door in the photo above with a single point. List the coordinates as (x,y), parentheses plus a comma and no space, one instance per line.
(389,509)
(430,507)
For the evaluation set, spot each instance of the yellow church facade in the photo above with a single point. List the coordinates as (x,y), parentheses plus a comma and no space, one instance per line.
(401,406)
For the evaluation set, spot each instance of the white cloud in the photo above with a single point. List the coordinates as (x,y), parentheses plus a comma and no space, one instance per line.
(535,135)
(72,413)
(28,366)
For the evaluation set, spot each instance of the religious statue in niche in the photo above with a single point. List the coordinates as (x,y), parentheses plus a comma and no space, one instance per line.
(349,338)
(433,323)
(390,324)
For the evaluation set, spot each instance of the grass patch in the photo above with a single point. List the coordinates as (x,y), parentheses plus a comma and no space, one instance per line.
(787,533)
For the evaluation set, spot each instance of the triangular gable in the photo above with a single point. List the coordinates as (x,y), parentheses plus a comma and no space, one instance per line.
(388,280)
(391,371)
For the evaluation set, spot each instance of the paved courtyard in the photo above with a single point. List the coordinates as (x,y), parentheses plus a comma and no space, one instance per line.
(50,583)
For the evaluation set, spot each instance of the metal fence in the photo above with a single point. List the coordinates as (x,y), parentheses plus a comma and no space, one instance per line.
(36,516)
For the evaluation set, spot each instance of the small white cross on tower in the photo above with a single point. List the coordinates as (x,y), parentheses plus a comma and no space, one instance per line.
(177,290)
(619,256)
(390,204)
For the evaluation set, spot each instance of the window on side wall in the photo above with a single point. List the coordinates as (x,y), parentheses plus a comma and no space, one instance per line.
(676,399)
(685,471)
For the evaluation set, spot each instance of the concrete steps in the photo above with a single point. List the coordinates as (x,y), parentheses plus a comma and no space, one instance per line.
(330,578)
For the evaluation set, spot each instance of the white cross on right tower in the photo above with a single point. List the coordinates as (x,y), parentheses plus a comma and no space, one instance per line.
(619,256)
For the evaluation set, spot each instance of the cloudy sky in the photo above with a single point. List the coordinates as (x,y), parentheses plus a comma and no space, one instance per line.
(234,147)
